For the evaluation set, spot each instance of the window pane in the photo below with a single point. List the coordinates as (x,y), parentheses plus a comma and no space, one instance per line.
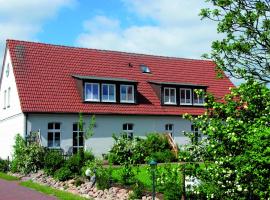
(124,127)
(123,93)
(172,95)
(88,91)
(105,90)
(130,93)
(57,126)
(95,91)
(130,127)
(50,125)
(188,94)
(111,92)
(80,139)
(57,139)
(75,141)
(50,139)
(182,96)
(75,127)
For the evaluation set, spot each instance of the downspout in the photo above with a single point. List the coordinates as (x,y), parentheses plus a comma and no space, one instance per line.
(25,124)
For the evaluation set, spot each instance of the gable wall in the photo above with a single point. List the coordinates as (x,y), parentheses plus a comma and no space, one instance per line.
(11,119)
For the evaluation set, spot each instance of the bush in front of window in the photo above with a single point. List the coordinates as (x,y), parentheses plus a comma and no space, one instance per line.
(26,158)
(54,160)
(63,174)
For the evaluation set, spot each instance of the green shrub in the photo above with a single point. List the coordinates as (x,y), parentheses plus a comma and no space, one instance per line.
(4,165)
(26,158)
(162,156)
(79,181)
(53,161)
(137,190)
(63,174)
(103,178)
(138,150)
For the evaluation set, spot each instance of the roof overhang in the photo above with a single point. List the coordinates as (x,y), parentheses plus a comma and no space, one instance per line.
(177,84)
(96,78)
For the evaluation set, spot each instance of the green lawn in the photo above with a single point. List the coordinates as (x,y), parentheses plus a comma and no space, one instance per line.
(8,177)
(61,195)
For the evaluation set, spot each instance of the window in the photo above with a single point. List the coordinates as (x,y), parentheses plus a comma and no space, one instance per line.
(91,91)
(169,129)
(198,99)
(53,135)
(128,129)
(169,96)
(8,98)
(145,69)
(185,96)
(108,93)
(196,134)
(7,71)
(5,98)
(78,140)
(127,93)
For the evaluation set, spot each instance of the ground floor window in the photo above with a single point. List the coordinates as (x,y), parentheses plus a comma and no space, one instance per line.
(169,129)
(78,139)
(128,129)
(54,135)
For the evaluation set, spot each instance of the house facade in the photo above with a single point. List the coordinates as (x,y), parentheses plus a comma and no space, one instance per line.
(44,87)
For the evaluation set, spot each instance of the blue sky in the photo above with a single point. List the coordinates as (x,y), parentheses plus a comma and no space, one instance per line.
(158,27)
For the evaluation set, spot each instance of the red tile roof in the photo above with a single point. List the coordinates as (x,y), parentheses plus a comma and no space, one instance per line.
(43,73)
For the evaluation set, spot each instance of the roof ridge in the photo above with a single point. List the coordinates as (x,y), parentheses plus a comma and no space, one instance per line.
(112,51)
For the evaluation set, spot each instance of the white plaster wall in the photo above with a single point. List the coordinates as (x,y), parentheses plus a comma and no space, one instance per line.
(12,118)
(106,125)
(8,130)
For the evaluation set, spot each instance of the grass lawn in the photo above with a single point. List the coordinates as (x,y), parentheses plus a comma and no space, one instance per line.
(8,177)
(61,195)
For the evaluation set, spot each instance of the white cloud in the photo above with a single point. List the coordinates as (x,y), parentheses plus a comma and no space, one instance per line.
(23,19)
(178,30)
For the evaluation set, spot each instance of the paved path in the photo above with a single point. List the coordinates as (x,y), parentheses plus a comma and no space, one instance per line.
(11,190)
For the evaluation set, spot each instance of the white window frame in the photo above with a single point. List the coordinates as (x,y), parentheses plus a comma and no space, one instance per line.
(77,132)
(196,103)
(91,98)
(126,100)
(186,89)
(129,132)
(8,97)
(54,131)
(169,102)
(195,130)
(5,99)
(114,91)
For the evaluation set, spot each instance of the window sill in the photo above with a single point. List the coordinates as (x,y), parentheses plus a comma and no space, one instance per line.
(90,100)
(169,103)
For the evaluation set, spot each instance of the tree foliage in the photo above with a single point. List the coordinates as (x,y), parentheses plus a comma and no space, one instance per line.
(245,50)
(238,142)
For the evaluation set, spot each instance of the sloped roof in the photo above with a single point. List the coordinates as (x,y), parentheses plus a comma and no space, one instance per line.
(44,76)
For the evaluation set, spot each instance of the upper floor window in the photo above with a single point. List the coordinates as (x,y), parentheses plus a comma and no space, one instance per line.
(198,99)
(169,96)
(7,70)
(108,93)
(92,92)
(5,98)
(8,97)
(53,135)
(185,96)
(169,129)
(127,93)
(128,129)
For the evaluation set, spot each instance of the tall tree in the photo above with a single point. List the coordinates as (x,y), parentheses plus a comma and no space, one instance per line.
(245,49)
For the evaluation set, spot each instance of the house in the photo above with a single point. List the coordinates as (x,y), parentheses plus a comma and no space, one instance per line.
(44,87)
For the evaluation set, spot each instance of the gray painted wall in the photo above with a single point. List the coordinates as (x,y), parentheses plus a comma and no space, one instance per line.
(106,125)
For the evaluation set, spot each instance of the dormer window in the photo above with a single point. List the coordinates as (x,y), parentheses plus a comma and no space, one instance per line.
(185,96)
(108,93)
(198,99)
(92,92)
(169,96)
(127,93)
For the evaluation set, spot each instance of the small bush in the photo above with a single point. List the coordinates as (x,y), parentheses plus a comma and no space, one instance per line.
(4,165)
(26,158)
(103,178)
(53,161)
(78,181)
(137,190)
(63,174)
(163,156)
